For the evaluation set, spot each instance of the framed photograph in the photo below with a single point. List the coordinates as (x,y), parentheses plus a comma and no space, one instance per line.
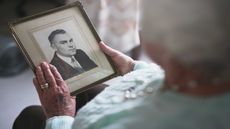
(66,38)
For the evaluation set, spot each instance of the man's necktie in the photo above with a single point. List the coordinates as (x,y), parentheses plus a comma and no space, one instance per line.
(75,64)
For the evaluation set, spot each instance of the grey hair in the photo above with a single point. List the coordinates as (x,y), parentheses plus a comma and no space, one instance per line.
(196,32)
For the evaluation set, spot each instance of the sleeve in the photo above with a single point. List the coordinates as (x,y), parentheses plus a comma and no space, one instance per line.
(150,66)
(59,122)
(140,65)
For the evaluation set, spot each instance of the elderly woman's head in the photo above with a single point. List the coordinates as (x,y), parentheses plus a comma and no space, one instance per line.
(194,32)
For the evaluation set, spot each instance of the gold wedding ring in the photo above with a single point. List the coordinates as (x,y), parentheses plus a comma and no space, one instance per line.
(45,86)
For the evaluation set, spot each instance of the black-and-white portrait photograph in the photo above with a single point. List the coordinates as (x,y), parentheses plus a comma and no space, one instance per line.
(68,59)
(68,54)
(66,39)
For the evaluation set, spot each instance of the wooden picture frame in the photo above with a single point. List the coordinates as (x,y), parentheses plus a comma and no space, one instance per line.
(41,38)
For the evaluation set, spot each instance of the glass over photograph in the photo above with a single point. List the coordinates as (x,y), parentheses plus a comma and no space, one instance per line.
(65,38)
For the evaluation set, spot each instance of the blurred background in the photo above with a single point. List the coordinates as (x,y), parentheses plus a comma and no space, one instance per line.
(16,88)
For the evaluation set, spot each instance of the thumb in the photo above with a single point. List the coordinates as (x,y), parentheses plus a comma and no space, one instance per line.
(108,50)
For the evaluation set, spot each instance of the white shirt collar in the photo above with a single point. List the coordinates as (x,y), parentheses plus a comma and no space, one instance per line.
(67,60)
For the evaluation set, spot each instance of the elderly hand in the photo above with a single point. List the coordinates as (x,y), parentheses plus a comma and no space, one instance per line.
(124,63)
(55,97)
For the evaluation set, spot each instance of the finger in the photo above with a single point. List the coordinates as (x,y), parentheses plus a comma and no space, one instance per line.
(60,82)
(73,97)
(37,86)
(57,75)
(48,74)
(40,76)
(108,50)
(65,88)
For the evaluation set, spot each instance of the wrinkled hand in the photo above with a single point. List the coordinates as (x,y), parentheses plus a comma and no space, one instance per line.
(56,99)
(124,63)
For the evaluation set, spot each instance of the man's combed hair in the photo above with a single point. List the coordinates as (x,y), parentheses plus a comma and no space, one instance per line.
(54,33)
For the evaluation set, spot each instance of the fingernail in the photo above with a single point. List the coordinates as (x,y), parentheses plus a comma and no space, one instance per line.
(44,64)
(52,67)
(38,68)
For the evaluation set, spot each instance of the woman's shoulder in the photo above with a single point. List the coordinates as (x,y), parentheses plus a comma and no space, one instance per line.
(123,94)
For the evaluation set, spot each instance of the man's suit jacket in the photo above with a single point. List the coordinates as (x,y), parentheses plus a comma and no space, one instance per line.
(66,70)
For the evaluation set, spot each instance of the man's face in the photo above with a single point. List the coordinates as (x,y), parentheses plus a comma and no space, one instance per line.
(64,45)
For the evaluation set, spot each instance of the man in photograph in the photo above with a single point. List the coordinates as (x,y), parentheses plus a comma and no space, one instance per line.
(68,60)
